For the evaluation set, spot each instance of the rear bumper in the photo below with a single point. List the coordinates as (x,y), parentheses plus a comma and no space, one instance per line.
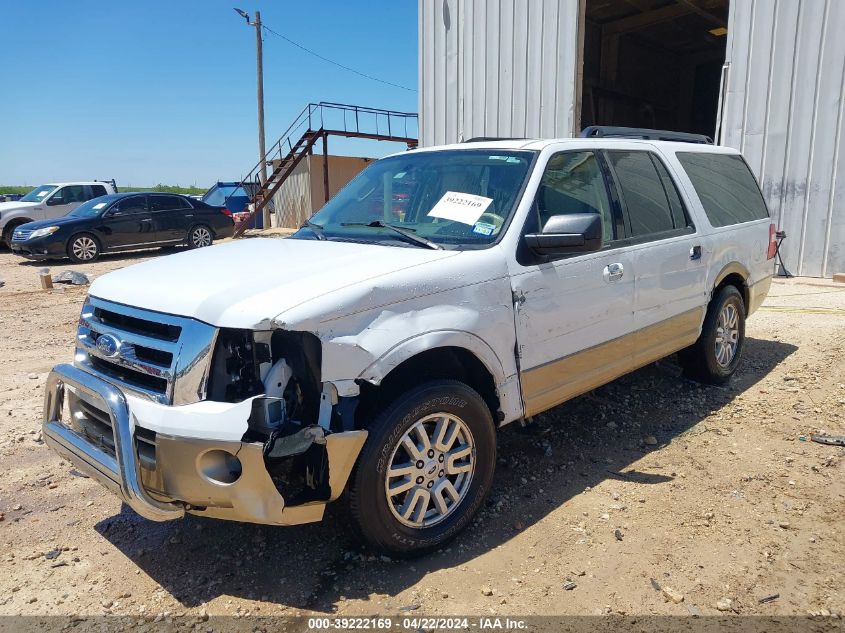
(182,474)
(757,293)
(225,231)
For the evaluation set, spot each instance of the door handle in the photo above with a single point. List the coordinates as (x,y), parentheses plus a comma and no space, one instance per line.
(613,272)
(695,252)
(146,219)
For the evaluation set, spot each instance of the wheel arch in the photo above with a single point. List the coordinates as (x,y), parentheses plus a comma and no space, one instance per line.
(441,355)
(14,222)
(89,232)
(733,274)
(201,222)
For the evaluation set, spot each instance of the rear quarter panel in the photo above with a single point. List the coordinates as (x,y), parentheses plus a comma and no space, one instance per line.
(737,248)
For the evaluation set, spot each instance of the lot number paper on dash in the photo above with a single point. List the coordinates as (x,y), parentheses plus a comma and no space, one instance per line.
(460,207)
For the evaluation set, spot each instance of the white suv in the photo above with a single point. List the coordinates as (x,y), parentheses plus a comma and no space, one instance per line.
(49,201)
(444,293)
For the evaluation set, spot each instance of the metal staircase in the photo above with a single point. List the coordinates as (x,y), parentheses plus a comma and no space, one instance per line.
(318,121)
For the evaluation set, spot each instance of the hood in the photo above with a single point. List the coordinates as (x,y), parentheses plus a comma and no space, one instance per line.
(14,206)
(248,282)
(53,222)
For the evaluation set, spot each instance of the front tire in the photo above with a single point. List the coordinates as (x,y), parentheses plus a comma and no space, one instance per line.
(9,230)
(715,355)
(200,236)
(425,469)
(83,248)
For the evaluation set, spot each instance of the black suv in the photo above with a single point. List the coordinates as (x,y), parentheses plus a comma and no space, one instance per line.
(123,221)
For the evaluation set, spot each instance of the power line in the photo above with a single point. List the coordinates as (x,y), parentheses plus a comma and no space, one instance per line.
(338,64)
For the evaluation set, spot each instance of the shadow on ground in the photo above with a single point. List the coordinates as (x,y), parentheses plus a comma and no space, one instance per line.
(579,444)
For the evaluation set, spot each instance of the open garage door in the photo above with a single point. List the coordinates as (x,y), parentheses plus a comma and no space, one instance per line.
(653,63)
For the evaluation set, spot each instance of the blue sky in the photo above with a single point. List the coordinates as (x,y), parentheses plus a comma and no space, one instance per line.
(154,91)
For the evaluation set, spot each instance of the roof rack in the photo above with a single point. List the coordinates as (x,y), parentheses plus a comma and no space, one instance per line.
(605,131)
(479,139)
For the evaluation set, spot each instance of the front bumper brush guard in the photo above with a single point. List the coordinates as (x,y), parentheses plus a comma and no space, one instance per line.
(119,473)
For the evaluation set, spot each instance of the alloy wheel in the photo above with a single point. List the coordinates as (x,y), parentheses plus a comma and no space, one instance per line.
(200,237)
(430,470)
(84,248)
(727,334)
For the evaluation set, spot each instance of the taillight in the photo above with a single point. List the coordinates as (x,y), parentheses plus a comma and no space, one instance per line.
(773,242)
(229,213)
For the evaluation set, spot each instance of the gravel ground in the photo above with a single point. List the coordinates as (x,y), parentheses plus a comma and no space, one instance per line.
(651,495)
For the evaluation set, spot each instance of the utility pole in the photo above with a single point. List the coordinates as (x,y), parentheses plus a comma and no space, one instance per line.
(259,61)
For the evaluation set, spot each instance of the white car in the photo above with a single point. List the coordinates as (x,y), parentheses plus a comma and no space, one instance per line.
(444,293)
(49,201)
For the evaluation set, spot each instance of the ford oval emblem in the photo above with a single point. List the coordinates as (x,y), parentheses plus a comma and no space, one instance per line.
(108,345)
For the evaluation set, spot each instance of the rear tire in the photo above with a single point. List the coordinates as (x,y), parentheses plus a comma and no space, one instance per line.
(425,469)
(83,248)
(716,354)
(200,236)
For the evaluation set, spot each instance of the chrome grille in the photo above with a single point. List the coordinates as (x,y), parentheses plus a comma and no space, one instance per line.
(21,235)
(160,356)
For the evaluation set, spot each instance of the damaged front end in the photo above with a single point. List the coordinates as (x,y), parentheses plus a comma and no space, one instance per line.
(267,443)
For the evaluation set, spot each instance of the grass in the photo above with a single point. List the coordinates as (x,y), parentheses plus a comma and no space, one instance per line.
(192,190)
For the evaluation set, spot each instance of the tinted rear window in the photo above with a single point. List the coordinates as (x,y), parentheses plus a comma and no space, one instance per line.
(726,187)
(168,203)
(644,193)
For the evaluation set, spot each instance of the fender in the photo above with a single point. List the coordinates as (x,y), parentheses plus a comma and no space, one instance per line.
(732,268)
(14,220)
(507,385)
(735,268)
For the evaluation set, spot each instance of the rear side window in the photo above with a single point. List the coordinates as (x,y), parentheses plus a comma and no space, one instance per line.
(167,203)
(97,191)
(726,187)
(73,193)
(644,193)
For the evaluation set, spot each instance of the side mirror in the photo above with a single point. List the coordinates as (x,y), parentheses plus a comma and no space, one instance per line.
(55,200)
(567,234)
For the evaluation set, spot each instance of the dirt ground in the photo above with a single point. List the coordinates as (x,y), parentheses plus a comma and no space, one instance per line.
(651,495)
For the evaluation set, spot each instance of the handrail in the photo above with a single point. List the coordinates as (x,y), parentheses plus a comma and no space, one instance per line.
(316,113)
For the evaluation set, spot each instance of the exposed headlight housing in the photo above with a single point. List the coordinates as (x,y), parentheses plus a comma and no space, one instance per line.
(47,230)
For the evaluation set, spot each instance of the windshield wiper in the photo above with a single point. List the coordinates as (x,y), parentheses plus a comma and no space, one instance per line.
(316,229)
(416,239)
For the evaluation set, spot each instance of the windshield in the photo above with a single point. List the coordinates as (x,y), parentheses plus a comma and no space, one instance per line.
(92,208)
(216,196)
(39,193)
(453,198)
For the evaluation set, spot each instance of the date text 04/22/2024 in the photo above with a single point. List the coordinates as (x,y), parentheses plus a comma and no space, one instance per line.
(416,623)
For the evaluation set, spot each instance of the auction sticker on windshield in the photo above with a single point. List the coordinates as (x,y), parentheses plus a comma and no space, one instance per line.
(465,208)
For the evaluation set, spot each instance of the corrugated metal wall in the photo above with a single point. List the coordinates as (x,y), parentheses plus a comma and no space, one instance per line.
(498,68)
(783,108)
(511,68)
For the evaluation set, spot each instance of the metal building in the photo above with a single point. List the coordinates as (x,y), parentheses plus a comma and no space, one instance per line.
(764,76)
